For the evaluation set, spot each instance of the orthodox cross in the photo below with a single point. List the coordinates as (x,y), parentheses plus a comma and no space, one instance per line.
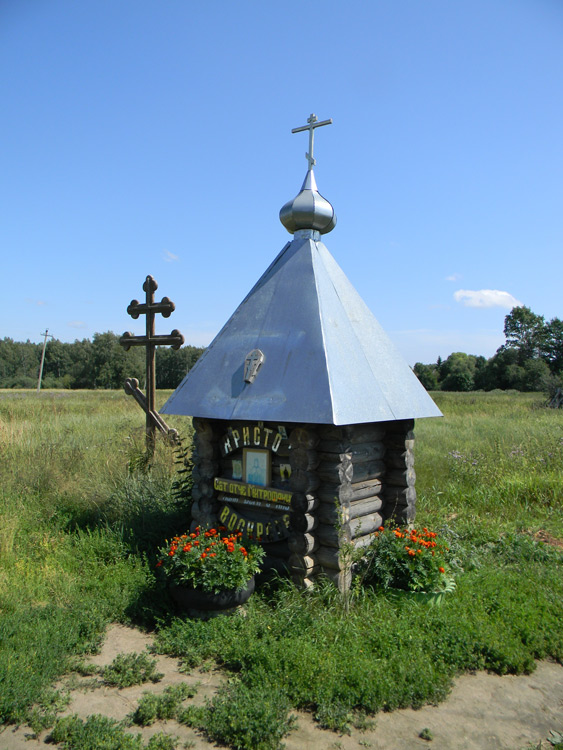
(313,123)
(150,308)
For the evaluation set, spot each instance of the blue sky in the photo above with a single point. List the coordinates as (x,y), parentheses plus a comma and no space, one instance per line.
(154,136)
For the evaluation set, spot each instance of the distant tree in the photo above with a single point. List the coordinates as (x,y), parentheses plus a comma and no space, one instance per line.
(459,372)
(58,359)
(525,332)
(111,363)
(536,371)
(81,369)
(19,363)
(428,375)
(172,365)
(553,345)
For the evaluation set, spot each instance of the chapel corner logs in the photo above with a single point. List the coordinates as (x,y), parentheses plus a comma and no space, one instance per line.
(306,491)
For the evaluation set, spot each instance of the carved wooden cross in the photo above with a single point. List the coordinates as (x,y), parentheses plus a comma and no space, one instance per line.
(313,123)
(150,308)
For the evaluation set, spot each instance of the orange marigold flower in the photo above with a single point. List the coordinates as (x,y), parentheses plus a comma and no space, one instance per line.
(412,553)
(212,532)
(203,555)
(381,528)
(159,563)
(213,554)
(442,570)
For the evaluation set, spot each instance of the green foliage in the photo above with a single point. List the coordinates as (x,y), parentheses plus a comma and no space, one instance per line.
(524,331)
(96,733)
(405,559)
(131,669)
(210,559)
(247,718)
(426,734)
(100,363)
(334,716)
(162,741)
(428,375)
(166,706)
(43,715)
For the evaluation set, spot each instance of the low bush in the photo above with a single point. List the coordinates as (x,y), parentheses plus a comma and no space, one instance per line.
(162,707)
(131,669)
(247,718)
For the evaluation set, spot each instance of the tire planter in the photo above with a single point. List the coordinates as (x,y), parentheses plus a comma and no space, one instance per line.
(431,598)
(196,602)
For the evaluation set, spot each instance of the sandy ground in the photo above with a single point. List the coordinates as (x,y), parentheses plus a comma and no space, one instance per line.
(483,711)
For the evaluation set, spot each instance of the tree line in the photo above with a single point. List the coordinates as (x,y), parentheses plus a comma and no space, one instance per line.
(99,363)
(531,359)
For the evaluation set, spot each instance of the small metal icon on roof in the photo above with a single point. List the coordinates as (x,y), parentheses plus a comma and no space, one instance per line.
(252,364)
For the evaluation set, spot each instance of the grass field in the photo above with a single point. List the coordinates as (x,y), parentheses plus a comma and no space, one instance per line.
(81,517)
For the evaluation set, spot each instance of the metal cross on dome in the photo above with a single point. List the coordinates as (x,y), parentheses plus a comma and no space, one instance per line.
(313,123)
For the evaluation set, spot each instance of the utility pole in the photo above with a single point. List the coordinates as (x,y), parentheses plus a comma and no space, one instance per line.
(46,334)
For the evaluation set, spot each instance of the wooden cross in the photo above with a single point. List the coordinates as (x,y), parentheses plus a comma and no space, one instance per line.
(313,123)
(150,308)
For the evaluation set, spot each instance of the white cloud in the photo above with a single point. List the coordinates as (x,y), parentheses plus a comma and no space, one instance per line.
(38,302)
(486,298)
(169,257)
(453,277)
(77,324)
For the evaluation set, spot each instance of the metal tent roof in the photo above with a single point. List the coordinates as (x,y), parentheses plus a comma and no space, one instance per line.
(326,358)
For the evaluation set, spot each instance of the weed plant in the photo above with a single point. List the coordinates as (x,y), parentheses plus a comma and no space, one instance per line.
(162,707)
(244,718)
(131,669)
(102,733)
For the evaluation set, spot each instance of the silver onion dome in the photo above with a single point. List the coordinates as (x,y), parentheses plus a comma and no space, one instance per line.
(308,210)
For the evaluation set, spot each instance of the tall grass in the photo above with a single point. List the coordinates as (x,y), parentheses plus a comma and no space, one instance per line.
(75,520)
(495,459)
(81,515)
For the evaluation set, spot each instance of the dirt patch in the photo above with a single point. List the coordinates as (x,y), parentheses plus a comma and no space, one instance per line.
(483,711)
(547,538)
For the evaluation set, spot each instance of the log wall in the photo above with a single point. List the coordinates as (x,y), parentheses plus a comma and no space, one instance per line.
(400,493)
(345,480)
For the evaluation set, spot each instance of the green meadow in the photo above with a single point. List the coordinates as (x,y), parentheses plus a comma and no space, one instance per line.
(82,514)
